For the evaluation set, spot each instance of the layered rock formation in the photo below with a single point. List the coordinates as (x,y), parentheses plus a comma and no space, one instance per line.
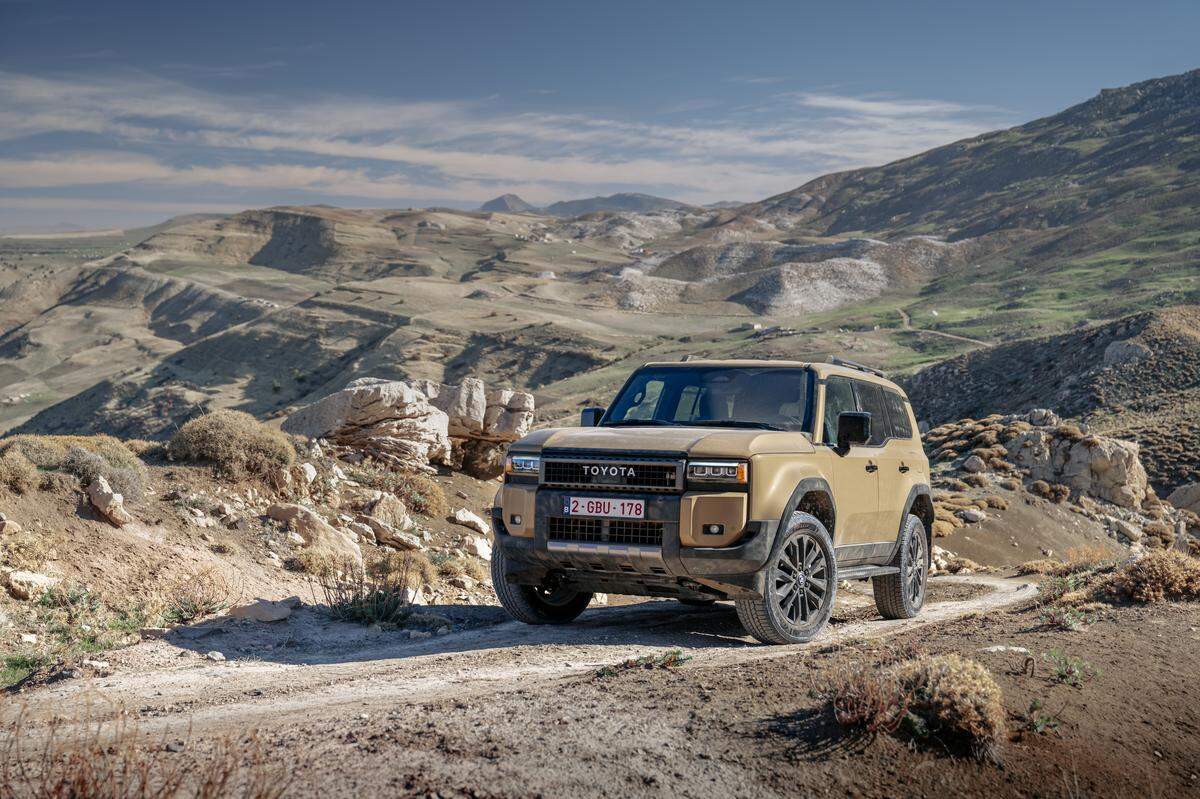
(414,425)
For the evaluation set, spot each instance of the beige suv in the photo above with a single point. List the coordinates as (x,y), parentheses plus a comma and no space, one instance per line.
(761,482)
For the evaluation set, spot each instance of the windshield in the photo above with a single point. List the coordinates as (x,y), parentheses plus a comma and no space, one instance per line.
(770,398)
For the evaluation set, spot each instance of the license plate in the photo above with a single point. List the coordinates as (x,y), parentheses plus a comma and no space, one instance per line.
(601,506)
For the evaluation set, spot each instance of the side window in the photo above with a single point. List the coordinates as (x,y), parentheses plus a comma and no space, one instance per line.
(870,399)
(839,398)
(898,413)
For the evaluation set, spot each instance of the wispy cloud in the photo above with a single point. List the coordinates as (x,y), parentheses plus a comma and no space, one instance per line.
(162,133)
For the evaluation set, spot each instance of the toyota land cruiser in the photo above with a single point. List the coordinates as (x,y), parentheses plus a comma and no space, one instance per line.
(761,482)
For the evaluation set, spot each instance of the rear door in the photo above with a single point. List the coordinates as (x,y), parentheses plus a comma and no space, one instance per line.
(855,474)
(900,468)
(879,459)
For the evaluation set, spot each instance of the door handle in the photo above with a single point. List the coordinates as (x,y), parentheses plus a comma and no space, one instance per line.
(871,467)
(903,469)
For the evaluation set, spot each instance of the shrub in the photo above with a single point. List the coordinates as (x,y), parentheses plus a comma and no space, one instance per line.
(233,441)
(947,698)
(1158,576)
(87,466)
(449,566)
(419,492)
(868,699)
(23,550)
(416,563)
(17,473)
(957,699)
(354,594)
(49,452)
(999,503)
(193,596)
(1069,670)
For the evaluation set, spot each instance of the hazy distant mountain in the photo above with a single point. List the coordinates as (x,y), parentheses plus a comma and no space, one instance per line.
(639,203)
(725,204)
(508,204)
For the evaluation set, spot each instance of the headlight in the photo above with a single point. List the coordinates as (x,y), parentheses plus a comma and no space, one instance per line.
(717,471)
(522,464)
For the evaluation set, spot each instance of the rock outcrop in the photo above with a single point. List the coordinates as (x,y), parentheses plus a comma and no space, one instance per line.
(465,426)
(1186,497)
(1097,466)
(481,422)
(107,502)
(316,533)
(387,419)
(1038,446)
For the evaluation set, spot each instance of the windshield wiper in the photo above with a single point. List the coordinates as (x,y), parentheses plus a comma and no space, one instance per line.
(641,423)
(735,423)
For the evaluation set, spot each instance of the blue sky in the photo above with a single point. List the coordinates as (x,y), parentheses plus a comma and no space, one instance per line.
(115,113)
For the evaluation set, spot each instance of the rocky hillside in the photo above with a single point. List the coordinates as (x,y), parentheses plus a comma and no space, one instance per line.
(1137,377)
(1132,148)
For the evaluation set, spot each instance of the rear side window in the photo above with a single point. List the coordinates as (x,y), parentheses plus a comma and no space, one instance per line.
(870,399)
(839,398)
(898,415)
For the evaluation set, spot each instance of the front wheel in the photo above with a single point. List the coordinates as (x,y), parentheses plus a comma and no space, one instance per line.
(801,582)
(901,595)
(535,604)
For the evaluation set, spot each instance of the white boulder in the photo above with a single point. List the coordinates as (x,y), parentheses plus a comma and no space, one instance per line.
(107,502)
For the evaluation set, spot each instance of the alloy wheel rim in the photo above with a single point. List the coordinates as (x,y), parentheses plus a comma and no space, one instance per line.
(914,577)
(800,580)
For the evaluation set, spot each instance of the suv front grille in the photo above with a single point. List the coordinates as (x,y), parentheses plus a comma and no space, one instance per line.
(611,531)
(621,474)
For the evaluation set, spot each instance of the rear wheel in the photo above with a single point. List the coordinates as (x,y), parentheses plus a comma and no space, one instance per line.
(801,582)
(901,595)
(535,604)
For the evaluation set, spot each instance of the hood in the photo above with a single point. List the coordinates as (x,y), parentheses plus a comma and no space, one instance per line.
(707,442)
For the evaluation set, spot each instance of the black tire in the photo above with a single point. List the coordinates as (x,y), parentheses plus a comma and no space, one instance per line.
(696,603)
(801,585)
(902,595)
(535,604)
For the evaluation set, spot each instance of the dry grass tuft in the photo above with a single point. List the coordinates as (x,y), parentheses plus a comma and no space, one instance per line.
(110,760)
(1159,576)
(17,473)
(235,442)
(449,566)
(419,492)
(421,571)
(944,698)
(354,594)
(196,595)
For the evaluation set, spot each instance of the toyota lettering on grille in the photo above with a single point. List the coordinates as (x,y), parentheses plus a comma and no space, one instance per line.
(602,472)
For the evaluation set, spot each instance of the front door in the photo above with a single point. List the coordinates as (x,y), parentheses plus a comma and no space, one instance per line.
(855,474)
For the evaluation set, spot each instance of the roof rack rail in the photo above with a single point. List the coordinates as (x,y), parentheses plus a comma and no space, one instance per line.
(836,361)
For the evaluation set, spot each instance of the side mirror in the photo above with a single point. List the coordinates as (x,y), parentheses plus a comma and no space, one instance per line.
(590,417)
(854,427)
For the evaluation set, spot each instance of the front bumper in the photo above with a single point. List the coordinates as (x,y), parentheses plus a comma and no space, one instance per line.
(666,569)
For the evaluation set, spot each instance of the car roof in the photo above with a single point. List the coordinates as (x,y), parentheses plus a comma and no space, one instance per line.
(822,368)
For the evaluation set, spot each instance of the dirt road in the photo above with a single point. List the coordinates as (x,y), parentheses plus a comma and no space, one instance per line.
(309,668)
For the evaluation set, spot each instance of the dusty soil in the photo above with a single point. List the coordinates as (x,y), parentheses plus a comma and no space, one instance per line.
(495,708)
